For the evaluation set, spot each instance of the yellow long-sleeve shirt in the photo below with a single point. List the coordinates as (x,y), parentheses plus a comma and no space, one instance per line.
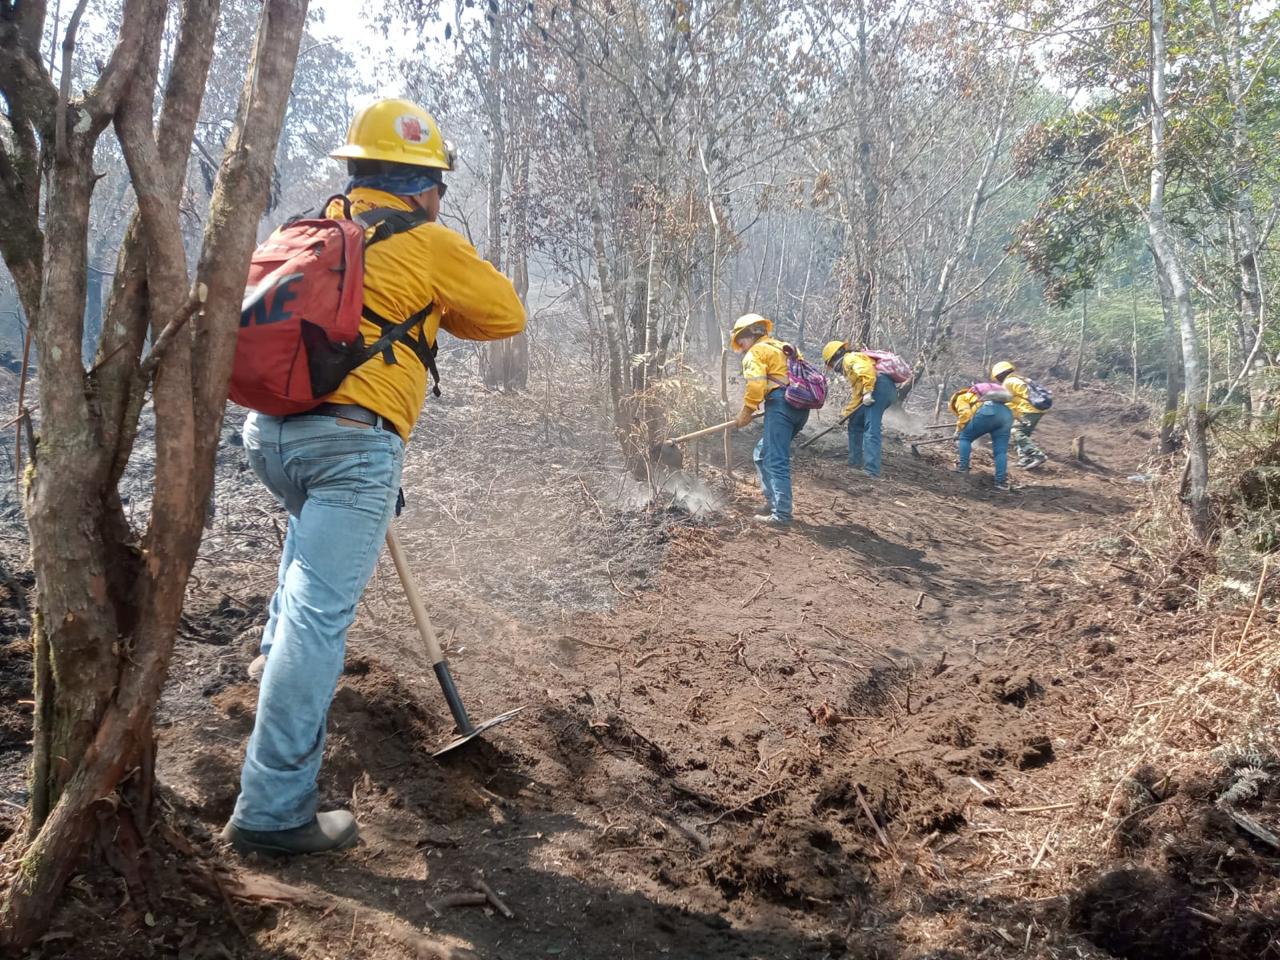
(964,404)
(861,372)
(1021,402)
(764,367)
(430,264)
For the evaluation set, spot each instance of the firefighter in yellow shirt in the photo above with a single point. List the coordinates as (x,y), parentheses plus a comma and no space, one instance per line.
(1026,415)
(873,394)
(336,469)
(981,410)
(764,367)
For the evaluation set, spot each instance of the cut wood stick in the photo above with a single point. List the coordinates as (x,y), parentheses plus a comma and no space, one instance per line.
(871,817)
(1257,601)
(751,599)
(692,836)
(708,431)
(462,900)
(1042,809)
(493,897)
(1053,829)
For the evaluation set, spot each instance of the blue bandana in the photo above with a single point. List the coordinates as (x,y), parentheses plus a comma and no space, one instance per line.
(406,184)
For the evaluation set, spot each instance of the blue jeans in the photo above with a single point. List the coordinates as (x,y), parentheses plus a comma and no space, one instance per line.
(864,427)
(995,419)
(772,455)
(339,484)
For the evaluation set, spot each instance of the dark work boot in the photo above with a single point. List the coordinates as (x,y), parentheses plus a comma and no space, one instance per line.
(332,830)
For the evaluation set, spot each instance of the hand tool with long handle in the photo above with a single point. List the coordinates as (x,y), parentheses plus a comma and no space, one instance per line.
(466,730)
(669,453)
(817,436)
(708,431)
(915,444)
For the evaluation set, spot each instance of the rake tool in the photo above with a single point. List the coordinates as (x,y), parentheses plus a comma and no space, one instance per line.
(467,731)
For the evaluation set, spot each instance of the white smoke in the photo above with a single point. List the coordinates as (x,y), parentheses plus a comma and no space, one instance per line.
(670,487)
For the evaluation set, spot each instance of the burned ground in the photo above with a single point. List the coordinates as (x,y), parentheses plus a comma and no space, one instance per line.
(871,735)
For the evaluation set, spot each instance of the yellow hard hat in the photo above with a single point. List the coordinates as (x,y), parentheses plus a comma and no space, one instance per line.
(831,349)
(747,321)
(397,131)
(1001,370)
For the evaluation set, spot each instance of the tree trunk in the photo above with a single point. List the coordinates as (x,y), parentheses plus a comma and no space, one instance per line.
(1173,366)
(1251,328)
(1084,320)
(107,609)
(865,288)
(1169,261)
(939,333)
(504,364)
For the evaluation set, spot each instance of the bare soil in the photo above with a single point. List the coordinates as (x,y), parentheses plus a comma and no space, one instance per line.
(870,735)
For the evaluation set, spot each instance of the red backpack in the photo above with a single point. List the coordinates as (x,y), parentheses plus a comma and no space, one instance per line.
(300,319)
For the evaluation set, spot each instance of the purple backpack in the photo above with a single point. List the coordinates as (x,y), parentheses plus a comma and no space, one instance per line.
(806,384)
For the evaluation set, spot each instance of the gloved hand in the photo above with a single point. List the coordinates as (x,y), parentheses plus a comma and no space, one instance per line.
(744,417)
(868,400)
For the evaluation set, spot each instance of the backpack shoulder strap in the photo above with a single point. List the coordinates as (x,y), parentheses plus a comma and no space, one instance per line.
(387,222)
(393,333)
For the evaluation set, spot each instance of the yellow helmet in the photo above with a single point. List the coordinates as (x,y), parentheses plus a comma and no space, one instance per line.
(397,131)
(1002,370)
(831,349)
(746,322)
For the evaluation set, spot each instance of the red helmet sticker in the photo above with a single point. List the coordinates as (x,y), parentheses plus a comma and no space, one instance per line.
(410,129)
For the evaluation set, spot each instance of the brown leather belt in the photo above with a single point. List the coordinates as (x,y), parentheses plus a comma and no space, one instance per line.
(349,411)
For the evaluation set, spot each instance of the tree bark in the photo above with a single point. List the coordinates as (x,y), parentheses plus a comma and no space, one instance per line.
(103,640)
(1169,261)
(504,364)
(1084,321)
(1173,366)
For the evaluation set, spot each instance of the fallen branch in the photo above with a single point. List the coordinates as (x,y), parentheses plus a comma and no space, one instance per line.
(460,900)
(880,834)
(1053,829)
(629,596)
(493,898)
(589,643)
(742,806)
(1257,602)
(259,887)
(768,578)
(1253,828)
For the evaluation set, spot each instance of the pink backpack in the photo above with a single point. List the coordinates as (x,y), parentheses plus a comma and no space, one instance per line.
(890,364)
(994,392)
(806,384)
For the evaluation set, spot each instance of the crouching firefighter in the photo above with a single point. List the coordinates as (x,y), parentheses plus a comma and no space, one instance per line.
(334,407)
(981,410)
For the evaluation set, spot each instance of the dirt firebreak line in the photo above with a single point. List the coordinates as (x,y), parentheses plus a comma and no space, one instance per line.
(739,759)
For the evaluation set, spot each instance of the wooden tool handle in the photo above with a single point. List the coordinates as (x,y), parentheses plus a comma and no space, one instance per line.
(708,431)
(818,436)
(415,601)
